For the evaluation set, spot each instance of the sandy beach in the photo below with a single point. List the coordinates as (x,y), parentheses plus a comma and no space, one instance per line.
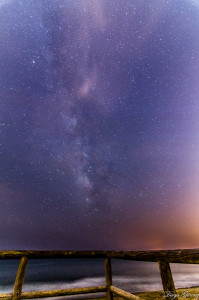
(188,293)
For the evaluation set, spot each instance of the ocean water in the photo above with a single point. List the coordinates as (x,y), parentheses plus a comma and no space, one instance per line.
(131,276)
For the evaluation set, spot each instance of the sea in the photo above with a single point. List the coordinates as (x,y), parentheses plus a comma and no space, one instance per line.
(132,276)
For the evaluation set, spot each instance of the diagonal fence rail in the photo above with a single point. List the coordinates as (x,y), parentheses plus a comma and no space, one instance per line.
(163,257)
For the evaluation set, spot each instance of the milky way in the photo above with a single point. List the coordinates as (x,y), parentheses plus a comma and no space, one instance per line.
(99,119)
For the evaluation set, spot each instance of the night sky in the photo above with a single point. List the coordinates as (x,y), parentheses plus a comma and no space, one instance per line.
(99,124)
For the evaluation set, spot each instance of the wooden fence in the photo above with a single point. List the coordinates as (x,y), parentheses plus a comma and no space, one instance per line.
(163,257)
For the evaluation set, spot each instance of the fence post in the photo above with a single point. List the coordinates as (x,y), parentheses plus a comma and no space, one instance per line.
(108,270)
(167,280)
(20,278)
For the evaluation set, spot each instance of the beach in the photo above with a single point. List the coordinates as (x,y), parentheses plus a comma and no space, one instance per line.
(134,277)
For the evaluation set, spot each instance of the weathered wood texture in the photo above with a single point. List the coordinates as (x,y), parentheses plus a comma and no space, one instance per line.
(7,296)
(108,270)
(124,294)
(54,293)
(190,256)
(51,254)
(187,293)
(20,278)
(167,279)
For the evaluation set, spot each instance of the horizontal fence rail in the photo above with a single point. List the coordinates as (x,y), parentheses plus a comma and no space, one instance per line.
(189,256)
(163,257)
(55,293)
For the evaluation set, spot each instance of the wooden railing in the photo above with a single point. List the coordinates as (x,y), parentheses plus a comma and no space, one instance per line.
(163,257)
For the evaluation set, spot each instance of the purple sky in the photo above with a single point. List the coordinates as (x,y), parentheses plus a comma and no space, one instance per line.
(99,124)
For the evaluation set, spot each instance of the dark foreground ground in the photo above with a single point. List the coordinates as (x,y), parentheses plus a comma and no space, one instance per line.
(182,294)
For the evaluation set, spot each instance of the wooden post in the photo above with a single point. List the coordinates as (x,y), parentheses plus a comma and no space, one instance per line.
(20,278)
(124,294)
(108,270)
(167,280)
